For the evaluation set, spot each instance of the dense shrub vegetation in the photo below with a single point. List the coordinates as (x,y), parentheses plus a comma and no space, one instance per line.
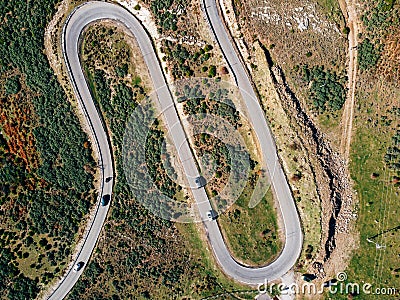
(216,103)
(157,158)
(48,198)
(187,54)
(380,17)
(12,85)
(167,13)
(117,112)
(327,90)
(368,54)
(121,71)
(183,59)
(380,21)
(165,18)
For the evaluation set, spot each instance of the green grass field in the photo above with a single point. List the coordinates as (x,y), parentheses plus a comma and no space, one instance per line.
(251,233)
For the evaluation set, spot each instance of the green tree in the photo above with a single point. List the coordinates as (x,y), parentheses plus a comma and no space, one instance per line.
(212,71)
(12,85)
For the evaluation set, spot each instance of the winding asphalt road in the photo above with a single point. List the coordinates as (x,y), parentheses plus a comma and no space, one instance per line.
(90,12)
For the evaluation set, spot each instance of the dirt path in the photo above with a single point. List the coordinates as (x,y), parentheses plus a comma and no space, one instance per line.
(349,12)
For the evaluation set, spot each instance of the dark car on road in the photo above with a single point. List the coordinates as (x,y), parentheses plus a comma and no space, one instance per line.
(212,215)
(200,181)
(79,266)
(105,200)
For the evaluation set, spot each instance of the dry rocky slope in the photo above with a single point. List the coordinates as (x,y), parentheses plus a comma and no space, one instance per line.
(331,175)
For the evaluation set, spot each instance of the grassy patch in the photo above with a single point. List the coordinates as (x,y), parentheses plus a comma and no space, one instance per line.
(329,120)
(332,9)
(251,233)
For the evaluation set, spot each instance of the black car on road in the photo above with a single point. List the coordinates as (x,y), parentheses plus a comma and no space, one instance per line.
(105,200)
(79,266)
